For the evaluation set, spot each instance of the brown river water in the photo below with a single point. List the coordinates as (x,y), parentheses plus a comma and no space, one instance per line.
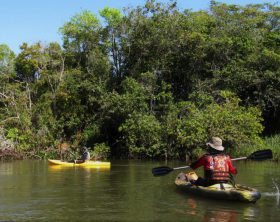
(33,191)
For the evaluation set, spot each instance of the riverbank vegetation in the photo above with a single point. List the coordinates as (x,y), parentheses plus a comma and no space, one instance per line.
(153,81)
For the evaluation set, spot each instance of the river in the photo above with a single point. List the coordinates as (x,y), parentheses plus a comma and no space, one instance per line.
(31,190)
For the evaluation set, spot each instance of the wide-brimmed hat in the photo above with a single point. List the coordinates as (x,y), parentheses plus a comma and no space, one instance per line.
(216,143)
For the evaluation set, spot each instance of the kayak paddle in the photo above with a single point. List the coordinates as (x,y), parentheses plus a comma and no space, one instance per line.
(159,171)
(257,155)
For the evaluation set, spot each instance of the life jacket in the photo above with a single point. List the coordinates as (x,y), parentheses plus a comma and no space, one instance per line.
(218,167)
(85,155)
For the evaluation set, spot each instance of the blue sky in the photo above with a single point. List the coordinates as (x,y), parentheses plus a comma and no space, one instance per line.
(36,20)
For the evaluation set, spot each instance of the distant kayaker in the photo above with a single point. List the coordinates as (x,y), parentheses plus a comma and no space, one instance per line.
(217,165)
(85,156)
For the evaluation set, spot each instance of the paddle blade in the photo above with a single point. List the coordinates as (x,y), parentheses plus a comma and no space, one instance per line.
(160,171)
(261,155)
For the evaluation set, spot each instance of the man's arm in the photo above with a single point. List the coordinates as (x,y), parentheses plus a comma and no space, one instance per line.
(232,169)
(198,163)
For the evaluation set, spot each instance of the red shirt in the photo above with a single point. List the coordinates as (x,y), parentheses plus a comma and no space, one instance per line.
(204,161)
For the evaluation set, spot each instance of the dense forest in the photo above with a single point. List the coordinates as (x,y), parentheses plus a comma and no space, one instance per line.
(153,81)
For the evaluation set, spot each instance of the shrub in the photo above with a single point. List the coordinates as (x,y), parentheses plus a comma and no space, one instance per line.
(101,151)
(142,135)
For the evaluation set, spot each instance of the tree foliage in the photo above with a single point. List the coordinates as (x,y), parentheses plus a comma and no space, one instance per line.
(149,82)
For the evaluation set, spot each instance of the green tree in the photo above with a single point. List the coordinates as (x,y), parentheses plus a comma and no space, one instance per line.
(250,38)
(142,135)
(7,57)
(30,62)
(112,37)
(203,118)
(81,38)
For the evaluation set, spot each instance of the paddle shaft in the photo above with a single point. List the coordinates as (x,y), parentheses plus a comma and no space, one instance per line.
(239,158)
(185,167)
(257,155)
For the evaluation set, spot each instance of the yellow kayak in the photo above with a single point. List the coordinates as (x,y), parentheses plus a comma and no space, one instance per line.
(87,164)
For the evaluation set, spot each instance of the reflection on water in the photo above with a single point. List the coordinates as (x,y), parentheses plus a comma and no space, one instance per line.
(6,169)
(220,213)
(35,191)
(54,168)
(192,204)
(220,216)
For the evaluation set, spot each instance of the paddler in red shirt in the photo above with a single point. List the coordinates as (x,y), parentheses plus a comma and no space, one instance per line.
(217,165)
